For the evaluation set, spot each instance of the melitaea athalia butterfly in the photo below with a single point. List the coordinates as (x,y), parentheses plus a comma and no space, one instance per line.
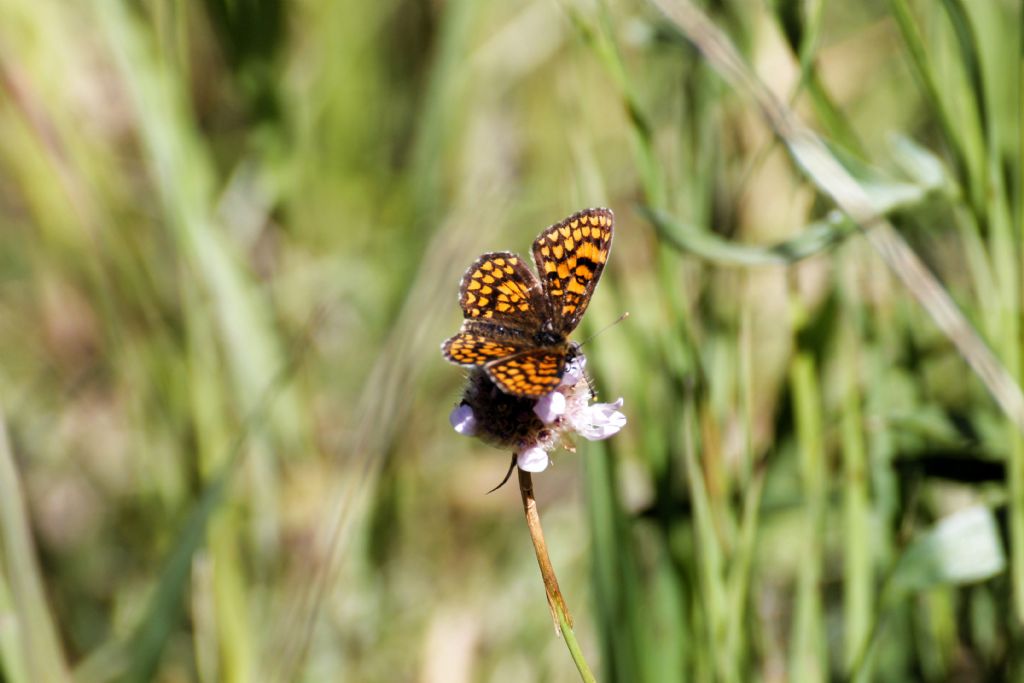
(517,325)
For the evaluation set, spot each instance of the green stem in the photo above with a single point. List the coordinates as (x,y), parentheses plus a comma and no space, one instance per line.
(559,610)
(808,656)
(858,576)
(574,648)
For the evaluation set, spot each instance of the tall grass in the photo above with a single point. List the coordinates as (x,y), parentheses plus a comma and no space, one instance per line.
(232,237)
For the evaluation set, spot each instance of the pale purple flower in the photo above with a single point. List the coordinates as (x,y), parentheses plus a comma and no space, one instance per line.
(535,429)
(592,422)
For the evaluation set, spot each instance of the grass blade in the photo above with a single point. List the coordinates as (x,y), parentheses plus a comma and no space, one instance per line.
(34,630)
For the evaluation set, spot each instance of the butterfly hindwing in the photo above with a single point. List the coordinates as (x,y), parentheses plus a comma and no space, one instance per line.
(476,345)
(530,373)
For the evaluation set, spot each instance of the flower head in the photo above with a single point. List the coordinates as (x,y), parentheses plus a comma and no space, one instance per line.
(534,428)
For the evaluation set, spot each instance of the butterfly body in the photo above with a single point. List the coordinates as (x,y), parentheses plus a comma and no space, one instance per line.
(517,325)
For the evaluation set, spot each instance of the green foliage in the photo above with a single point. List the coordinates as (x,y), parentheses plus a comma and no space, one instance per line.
(232,238)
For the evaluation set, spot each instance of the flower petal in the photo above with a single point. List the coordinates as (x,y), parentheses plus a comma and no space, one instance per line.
(533,459)
(600,421)
(463,420)
(550,406)
(574,371)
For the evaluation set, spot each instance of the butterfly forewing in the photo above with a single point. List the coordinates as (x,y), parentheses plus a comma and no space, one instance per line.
(500,287)
(570,257)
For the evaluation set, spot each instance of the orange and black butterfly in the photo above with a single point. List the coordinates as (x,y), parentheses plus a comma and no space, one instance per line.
(517,326)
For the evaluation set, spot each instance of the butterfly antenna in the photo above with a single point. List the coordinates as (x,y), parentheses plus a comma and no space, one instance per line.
(603,329)
(508,474)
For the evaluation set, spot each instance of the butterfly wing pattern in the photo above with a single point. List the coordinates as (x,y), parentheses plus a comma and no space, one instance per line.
(502,302)
(530,373)
(515,325)
(500,287)
(570,257)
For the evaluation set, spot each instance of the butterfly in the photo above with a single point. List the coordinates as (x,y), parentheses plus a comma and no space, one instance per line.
(517,325)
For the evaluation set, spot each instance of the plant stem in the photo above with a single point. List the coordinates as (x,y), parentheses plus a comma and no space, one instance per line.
(559,610)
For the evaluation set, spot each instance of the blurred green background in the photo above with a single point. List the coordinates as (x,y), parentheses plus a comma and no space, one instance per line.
(230,240)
